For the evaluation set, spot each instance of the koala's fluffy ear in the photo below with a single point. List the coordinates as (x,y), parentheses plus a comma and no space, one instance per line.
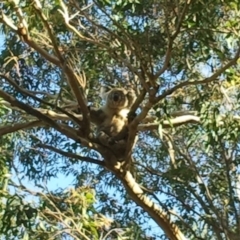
(104,92)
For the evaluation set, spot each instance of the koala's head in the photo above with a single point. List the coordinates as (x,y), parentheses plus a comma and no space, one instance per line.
(117,98)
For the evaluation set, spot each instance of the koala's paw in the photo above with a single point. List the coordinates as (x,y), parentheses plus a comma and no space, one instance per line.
(131,116)
(111,141)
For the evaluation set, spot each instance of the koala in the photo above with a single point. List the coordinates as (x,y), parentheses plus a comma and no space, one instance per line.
(111,120)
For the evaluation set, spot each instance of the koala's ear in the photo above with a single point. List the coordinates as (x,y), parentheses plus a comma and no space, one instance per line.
(104,92)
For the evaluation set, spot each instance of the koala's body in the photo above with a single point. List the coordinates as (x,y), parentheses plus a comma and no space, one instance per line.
(111,120)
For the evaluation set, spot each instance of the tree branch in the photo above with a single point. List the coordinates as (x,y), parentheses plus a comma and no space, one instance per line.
(72,79)
(204,81)
(161,218)
(175,122)
(72,155)
(19,126)
(38,8)
(39,115)
(171,40)
(32,95)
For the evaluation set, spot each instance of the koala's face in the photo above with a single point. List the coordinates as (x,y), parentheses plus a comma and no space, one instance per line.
(117,98)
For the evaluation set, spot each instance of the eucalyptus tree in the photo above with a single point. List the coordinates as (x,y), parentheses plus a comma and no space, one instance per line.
(181,58)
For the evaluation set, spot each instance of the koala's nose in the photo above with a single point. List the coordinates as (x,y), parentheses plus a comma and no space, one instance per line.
(115,97)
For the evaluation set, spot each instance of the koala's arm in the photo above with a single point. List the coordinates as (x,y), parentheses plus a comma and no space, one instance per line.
(97,116)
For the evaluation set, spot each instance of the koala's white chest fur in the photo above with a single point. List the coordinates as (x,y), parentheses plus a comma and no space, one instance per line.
(115,121)
(123,113)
